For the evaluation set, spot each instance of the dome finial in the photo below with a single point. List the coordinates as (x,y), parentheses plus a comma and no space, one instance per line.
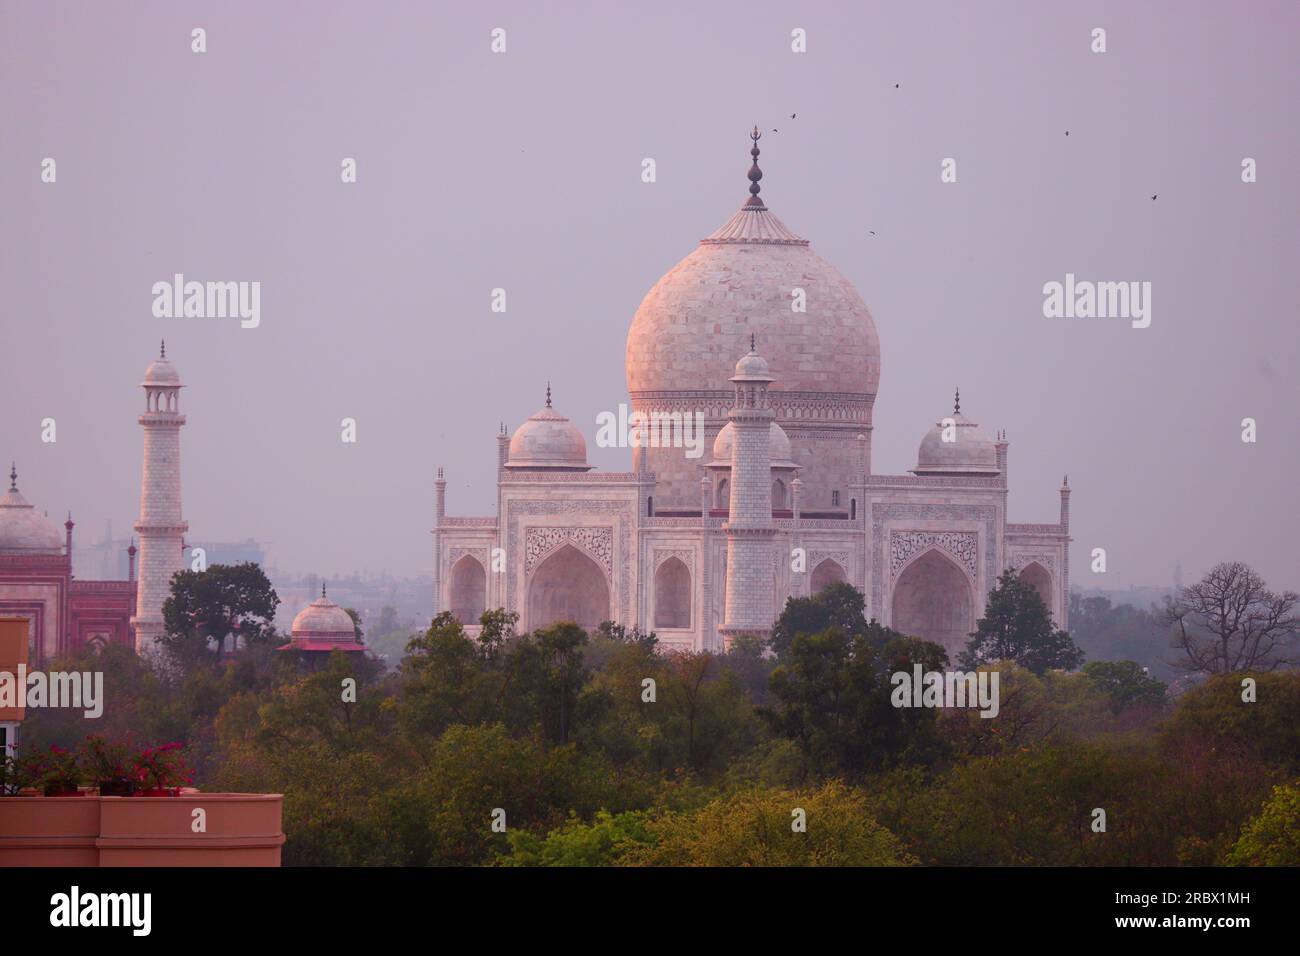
(162,349)
(956,403)
(13,476)
(755,174)
(752,347)
(548,394)
(322,589)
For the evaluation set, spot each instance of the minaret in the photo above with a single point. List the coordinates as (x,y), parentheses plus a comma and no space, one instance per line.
(439,513)
(160,527)
(503,449)
(749,528)
(1065,560)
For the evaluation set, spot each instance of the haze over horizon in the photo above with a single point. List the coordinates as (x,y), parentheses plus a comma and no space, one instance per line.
(523,171)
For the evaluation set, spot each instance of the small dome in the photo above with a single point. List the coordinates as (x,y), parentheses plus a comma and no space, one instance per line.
(548,440)
(752,366)
(22,528)
(323,620)
(161,372)
(971,452)
(777,440)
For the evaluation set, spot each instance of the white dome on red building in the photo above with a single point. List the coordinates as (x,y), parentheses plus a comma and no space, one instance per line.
(323,626)
(23,529)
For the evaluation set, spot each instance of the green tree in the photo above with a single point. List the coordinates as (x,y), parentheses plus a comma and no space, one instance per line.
(1126,684)
(1017,626)
(1218,714)
(474,771)
(207,606)
(444,680)
(545,675)
(1031,806)
(834,699)
(601,842)
(758,828)
(707,716)
(837,605)
(357,632)
(1272,837)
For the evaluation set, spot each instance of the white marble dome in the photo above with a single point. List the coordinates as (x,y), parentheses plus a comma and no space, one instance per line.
(777,440)
(752,367)
(824,361)
(738,282)
(23,529)
(323,620)
(161,371)
(970,453)
(548,440)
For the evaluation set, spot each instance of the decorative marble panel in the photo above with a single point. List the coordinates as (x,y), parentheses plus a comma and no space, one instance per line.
(961,545)
(596,542)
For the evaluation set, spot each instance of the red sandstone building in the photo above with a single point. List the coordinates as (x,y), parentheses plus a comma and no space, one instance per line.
(36,583)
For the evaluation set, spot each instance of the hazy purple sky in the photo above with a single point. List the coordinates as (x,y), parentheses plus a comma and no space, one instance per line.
(522,171)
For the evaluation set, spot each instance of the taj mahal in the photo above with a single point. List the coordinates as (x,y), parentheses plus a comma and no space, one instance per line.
(775,356)
(702,550)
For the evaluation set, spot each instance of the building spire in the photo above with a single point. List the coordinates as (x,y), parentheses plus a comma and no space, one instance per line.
(548,394)
(162,349)
(322,589)
(13,476)
(755,174)
(956,403)
(752,346)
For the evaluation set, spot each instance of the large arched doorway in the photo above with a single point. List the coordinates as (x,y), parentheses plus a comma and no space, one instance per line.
(1038,578)
(468,590)
(673,595)
(825,574)
(568,586)
(932,600)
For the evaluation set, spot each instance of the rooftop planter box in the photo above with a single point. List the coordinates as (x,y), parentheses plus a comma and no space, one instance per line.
(49,831)
(239,829)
